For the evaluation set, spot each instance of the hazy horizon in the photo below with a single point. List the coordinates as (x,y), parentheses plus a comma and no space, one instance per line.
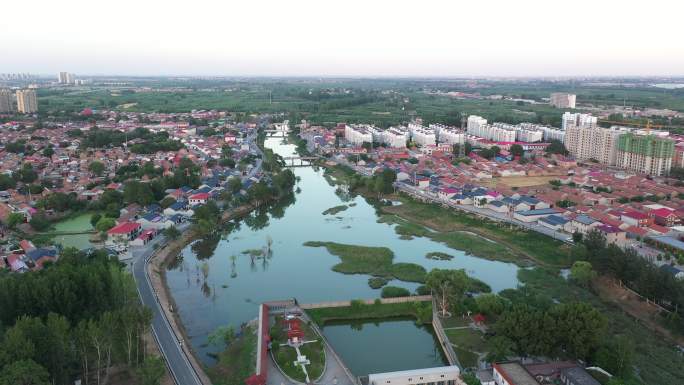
(353,39)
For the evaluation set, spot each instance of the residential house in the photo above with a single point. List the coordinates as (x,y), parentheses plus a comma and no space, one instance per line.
(613,234)
(123,233)
(144,237)
(497,206)
(179,208)
(155,221)
(529,216)
(664,217)
(199,198)
(577,376)
(636,218)
(16,264)
(554,222)
(582,224)
(512,373)
(674,271)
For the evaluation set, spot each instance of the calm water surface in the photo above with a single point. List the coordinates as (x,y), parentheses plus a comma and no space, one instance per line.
(236,283)
(78,223)
(385,345)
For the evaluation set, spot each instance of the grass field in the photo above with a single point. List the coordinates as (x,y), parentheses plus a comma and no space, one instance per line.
(285,356)
(374,311)
(511,244)
(237,362)
(376,261)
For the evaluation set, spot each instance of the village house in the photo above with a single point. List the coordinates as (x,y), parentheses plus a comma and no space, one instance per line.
(123,233)
(199,198)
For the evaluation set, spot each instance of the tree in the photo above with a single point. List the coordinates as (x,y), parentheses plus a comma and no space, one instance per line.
(617,356)
(234,184)
(151,371)
(582,273)
(39,222)
(166,202)
(579,326)
(500,348)
(6,182)
(172,233)
(137,192)
(470,379)
(448,286)
(26,174)
(517,150)
(48,152)
(105,224)
(556,147)
(24,372)
(490,304)
(15,219)
(95,218)
(96,167)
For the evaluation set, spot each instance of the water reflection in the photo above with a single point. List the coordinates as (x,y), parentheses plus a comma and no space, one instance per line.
(262,257)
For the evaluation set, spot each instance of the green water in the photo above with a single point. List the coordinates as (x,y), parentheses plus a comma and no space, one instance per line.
(408,346)
(235,286)
(77,223)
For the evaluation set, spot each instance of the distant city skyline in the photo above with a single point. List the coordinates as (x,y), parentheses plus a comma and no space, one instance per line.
(347,39)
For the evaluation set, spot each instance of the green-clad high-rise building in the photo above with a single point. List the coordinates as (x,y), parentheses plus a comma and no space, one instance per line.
(648,154)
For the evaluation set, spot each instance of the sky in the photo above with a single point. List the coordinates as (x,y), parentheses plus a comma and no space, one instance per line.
(375,38)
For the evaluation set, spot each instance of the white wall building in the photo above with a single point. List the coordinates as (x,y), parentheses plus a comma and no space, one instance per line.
(421,135)
(474,123)
(395,137)
(530,136)
(571,120)
(357,134)
(563,100)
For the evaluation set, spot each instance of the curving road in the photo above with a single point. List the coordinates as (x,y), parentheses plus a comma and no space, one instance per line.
(177,361)
(179,366)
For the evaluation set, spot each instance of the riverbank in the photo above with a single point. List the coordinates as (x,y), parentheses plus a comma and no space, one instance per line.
(420,308)
(483,238)
(523,246)
(156,270)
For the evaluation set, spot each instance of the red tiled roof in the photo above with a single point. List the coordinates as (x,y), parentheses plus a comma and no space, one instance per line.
(200,196)
(124,228)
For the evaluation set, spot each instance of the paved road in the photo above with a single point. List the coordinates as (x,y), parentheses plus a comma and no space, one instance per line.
(181,369)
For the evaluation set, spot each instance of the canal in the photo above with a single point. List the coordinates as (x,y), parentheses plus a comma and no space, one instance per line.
(215,281)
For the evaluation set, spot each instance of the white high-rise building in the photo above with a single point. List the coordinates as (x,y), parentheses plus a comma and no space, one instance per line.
(395,137)
(594,143)
(26,101)
(357,134)
(563,100)
(451,136)
(66,78)
(474,124)
(6,102)
(424,136)
(570,120)
(530,136)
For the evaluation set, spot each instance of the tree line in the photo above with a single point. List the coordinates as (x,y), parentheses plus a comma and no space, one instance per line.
(635,272)
(76,318)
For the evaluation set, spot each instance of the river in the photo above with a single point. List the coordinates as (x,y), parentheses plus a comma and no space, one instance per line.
(236,283)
